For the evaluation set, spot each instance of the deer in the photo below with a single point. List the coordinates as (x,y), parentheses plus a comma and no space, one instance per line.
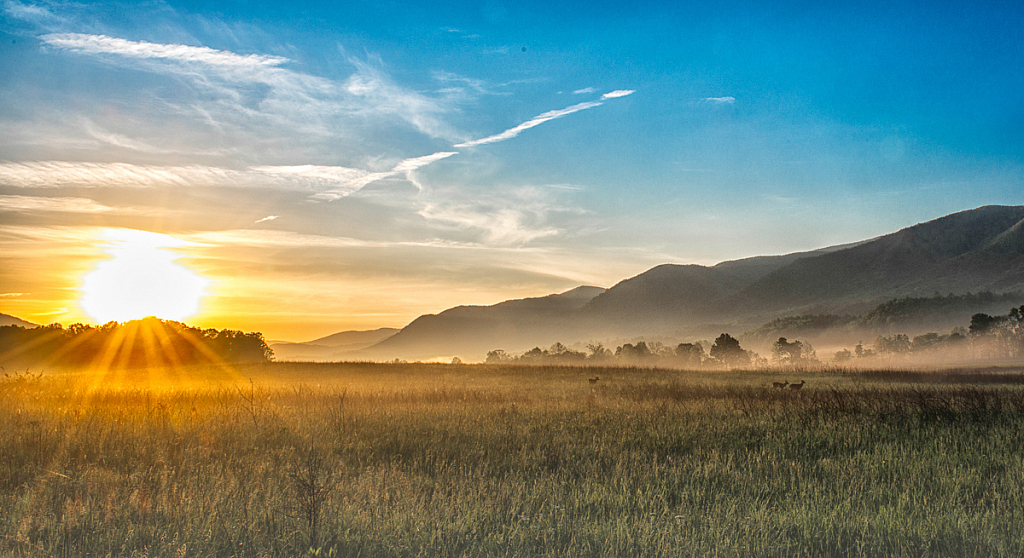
(780,385)
(593,380)
(796,387)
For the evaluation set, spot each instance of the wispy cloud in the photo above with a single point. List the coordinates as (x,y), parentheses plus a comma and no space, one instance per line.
(510,218)
(290,101)
(102,44)
(536,121)
(62,205)
(358,179)
(29,12)
(267,218)
(618,93)
(284,104)
(501,226)
(584,91)
(118,140)
(61,174)
(337,181)
(410,165)
(267,238)
(547,116)
(56,174)
(351,180)
(331,182)
(257,238)
(718,100)
(458,84)
(383,95)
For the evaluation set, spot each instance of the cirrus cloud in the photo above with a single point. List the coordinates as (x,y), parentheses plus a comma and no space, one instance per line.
(102,44)
(288,100)
(618,93)
(536,121)
(718,100)
(60,205)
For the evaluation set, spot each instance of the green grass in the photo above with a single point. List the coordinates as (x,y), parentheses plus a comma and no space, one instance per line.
(437,460)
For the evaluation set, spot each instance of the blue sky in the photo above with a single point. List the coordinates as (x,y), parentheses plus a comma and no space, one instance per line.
(353,165)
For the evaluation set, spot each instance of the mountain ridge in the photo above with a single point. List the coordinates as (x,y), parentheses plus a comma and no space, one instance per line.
(331,347)
(8,320)
(523,321)
(973,250)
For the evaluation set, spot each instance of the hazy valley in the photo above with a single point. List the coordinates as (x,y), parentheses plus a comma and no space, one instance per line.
(976,251)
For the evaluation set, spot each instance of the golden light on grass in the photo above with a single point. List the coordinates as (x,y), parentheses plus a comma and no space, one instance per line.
(141,279)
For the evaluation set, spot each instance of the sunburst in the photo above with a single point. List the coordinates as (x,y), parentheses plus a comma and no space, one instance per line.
(141,279)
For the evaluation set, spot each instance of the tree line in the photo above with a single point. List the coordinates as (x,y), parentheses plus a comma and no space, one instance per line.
(987,337)
(724,351)
(146,342)
(887,317)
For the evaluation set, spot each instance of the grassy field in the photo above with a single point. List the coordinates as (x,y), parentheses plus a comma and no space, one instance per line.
(289,459)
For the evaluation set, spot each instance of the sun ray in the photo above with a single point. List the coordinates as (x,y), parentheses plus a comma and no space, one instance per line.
(102,362)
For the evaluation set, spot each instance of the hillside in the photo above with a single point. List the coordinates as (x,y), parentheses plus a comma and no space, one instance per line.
(8,320)
(970,251)
(910,315)
(332,347)
(670,297)
(977,250)
(471,331)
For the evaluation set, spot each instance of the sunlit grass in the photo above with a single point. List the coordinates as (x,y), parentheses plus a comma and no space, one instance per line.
(439,460)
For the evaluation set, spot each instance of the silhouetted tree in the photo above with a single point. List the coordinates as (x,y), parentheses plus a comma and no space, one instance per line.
(787,352)
(559,353)
(727,350)
(690,354)
(599,353)
(999,336)
(146,342)
(925,341)
(894,344)
(535,354)
(983,323)
(497,356)
(634,352)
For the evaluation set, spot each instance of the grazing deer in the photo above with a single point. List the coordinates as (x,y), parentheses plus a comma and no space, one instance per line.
(796,387)
(593,380)
(780,385)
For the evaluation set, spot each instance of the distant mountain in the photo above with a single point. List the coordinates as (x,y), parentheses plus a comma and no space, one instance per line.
(6,320)
(981,249)
(673,297)
(332,347)
(473,330)
(350,338)
(976,250)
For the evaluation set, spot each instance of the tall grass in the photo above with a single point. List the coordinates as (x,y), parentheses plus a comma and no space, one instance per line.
(437,460)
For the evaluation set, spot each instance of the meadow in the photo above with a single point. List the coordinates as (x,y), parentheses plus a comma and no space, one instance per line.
(298,459)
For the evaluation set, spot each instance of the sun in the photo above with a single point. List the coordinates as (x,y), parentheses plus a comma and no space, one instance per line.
(141,279)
